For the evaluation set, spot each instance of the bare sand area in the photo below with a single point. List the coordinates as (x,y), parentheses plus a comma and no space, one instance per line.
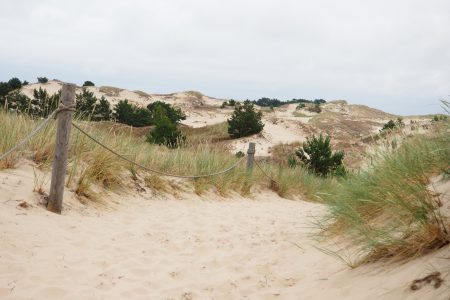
(154,246)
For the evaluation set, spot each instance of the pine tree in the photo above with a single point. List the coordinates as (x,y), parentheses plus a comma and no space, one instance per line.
(85,104)
(173,113)
(88,83)
(316,154)
(102,110)
(165,132)
(245,121)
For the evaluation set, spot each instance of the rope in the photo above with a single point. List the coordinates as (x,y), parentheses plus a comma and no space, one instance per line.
(265,174)
(153,170)
(38,128)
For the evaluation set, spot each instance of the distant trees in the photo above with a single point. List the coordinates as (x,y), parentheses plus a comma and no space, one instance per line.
(89,107)
(268,102)
(103,110)
(44,104)
(244,121)
(42,79)
(88,83)
(41,105)
(130,114)
(9,86)
(14,83)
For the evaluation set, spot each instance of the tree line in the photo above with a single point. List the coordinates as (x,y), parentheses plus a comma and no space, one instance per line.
(244,121)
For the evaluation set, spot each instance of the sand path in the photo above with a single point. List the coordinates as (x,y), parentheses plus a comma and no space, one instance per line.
(148,247)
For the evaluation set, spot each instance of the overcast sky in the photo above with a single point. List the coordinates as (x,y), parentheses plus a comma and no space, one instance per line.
(393,55)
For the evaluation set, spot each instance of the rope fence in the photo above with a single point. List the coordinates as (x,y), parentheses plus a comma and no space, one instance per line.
(153,170)
(265,174)
(64,112)
(36,130)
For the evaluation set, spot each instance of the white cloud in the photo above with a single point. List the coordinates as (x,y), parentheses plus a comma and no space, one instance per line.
(391,55)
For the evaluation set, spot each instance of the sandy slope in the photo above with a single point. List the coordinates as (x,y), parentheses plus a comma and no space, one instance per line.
(285,124)
(146,246)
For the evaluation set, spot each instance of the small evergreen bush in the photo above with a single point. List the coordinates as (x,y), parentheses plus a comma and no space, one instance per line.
(42,79)
(166,132)
(88,83)
(173,113)
(391,125)
(317,155)
(130,114)
(15,83)
(245,121)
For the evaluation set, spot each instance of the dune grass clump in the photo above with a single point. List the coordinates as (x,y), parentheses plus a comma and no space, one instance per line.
(389,210)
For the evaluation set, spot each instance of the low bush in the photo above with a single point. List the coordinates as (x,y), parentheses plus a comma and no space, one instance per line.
(244,121)
(42,79)
(317,156)
(88,83)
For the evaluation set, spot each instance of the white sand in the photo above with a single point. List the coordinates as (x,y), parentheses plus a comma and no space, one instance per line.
(144,246)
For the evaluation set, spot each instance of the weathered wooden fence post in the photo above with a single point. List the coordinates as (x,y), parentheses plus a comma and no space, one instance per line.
(61,149)
(250,156)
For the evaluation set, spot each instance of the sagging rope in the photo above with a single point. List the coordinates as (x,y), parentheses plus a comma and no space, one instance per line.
(267,175)
(153,170)
(38,128)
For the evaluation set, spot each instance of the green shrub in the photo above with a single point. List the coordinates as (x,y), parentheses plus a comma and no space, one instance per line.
(130,114)
(6,87)
(240,154)
(437,118)
(102,111)
(245,121)
(165,132)
(173,113)
(391,125)
(42,79)
(42,103)
(88,83)
(316,154)
(85,103)
(15,83)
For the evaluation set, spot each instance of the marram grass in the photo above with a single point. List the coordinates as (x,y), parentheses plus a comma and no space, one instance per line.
(389,210)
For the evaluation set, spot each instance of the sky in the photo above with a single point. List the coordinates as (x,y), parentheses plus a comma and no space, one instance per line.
(392,55)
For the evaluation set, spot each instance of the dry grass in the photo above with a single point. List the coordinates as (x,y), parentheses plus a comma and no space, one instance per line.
(388,210)
(156,183)
(142,94)
(207,134)
(110,91)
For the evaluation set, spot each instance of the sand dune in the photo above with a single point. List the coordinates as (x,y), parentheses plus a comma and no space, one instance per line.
(155,246)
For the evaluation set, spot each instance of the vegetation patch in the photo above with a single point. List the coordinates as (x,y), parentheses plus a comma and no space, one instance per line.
(110,91)
(388,210)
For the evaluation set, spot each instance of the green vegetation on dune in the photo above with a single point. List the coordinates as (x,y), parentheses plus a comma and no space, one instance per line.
(389,210)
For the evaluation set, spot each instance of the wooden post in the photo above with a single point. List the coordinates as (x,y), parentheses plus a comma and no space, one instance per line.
(61,149)
(250,156)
